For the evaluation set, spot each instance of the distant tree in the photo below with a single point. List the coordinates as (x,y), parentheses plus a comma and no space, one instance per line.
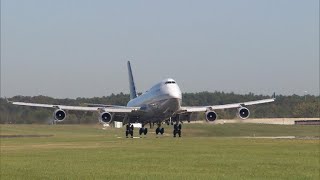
(306,110)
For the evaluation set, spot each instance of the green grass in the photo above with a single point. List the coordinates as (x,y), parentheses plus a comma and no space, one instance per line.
(204,152)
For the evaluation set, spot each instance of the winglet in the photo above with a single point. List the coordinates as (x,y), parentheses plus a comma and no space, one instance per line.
(133,93)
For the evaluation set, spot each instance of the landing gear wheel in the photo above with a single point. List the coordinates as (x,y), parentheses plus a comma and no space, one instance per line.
(177,130)
(129,130)
(143,130)
(157,130)
(161,131)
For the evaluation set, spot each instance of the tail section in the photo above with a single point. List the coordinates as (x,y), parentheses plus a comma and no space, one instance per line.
(133,93)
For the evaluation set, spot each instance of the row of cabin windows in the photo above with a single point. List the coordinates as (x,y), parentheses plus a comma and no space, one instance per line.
(170,82)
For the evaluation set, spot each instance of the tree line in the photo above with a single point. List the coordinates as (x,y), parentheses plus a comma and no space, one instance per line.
(292,106)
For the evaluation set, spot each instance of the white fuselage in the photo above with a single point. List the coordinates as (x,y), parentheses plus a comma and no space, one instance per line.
(160,102)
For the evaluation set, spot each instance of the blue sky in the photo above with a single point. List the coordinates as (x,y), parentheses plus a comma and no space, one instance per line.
(79,48)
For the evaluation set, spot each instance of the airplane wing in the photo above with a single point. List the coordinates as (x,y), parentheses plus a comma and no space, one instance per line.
(225,106)
(112,109)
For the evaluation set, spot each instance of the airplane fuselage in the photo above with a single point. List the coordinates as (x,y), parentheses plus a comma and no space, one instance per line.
(160,102)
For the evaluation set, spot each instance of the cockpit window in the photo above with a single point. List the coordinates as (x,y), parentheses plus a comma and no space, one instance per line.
(170,82)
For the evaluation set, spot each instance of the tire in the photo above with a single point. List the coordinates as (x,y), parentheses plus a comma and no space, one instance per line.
(141,130)
(162,131)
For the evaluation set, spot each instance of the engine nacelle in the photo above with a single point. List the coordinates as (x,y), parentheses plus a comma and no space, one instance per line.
(59,115)
(243,113)
(211,116)
(105,117)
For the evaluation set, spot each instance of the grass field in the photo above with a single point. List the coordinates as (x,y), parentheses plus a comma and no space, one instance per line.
(204,152)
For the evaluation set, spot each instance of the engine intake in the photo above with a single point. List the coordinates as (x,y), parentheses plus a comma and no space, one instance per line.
(243,113)
(105,117)
(211,116)
(59,115)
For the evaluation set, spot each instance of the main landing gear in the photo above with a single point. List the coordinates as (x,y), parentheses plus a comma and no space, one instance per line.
(159,129)
(177,129)
(143,130)
(129,130)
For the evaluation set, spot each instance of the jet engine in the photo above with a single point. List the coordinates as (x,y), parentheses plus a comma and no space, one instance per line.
(243,113)
(211,116)
(59,115)
(105,117)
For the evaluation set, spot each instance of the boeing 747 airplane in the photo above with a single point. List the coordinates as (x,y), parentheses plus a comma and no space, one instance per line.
(160,103)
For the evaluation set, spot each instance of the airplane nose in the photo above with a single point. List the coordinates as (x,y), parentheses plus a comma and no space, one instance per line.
(175,92)
(176,95)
